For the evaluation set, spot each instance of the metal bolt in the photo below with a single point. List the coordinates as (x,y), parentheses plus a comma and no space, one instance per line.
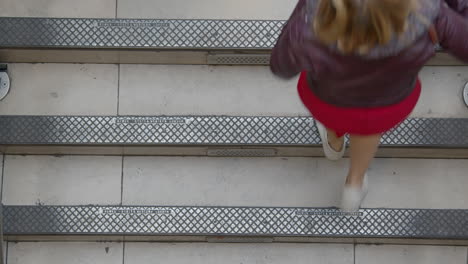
(465,94)
(4,84)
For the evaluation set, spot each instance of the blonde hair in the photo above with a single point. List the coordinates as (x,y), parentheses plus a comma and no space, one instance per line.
(359,25)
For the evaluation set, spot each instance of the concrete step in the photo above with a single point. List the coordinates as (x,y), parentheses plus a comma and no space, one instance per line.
(50,180)
(261,9)
(59,8)
(275,198)
(242,9)
(146,253)
(205,181)
(64,252)
(267,114)
(155,90)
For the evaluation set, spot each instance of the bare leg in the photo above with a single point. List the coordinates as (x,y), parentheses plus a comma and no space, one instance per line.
(334,141)
(363,150)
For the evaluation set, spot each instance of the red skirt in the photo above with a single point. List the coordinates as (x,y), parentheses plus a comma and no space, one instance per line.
(357,121)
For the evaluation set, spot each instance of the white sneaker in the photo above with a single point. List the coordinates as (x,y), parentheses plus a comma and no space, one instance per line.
(353,196)
(330,153)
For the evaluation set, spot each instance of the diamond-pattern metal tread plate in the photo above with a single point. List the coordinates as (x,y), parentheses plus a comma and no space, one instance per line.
(138,33)
(236,221)
(210,130)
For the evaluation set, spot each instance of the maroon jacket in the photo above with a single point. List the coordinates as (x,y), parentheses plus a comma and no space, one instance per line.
(384,76)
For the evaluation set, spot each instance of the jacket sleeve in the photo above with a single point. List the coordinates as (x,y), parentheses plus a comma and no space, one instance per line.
(289,56)
(452,29)
(459,6)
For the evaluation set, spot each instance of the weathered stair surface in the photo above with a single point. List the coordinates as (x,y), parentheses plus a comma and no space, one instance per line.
(254,199)
(229,253)
(233,182)
(156,90)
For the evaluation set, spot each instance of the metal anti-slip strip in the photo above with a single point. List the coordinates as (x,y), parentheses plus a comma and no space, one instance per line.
(178,41)
(235,221)
(31,32)
(138,33)
(211,130)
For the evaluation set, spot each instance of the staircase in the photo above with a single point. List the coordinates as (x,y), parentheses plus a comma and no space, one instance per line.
(150,134)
